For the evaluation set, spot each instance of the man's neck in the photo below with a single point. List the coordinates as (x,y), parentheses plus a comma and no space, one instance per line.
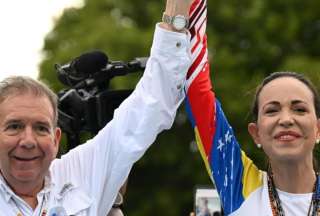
(27,191)
(29,195)
(31,200)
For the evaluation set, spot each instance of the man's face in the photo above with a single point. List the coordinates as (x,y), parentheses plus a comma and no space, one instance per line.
(29,140)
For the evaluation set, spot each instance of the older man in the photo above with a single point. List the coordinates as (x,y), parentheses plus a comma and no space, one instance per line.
(86,180)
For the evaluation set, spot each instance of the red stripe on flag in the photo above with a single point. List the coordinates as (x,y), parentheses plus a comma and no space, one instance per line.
(198,37)
(193,6)
(196,16)
(199,58)
(200,96)
(198,5)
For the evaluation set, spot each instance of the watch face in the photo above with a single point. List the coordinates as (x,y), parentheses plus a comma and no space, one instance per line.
(179,22)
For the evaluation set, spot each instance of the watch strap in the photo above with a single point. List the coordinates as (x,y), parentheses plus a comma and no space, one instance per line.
(170,20)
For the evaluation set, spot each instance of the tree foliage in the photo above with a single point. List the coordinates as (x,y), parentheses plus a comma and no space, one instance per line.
(247,40)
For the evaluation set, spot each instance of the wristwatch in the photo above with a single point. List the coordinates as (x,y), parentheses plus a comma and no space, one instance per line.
(178,22)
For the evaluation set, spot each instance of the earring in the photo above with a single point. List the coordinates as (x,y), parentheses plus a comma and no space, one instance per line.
(318,141)
(259,145)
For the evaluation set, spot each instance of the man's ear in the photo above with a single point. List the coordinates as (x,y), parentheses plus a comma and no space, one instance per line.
(57,138)
(254,132)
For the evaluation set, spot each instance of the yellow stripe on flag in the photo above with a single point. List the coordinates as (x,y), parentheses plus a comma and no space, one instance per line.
(202,152)
(252,176)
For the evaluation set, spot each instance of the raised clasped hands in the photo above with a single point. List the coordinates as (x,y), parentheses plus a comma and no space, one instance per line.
(174,7)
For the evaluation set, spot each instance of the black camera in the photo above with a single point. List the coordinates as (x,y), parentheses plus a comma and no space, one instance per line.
(87,105)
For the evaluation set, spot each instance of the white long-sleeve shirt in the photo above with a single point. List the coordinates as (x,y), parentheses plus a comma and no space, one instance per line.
(85,181)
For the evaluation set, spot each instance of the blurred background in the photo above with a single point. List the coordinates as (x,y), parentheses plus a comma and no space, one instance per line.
(23,27)
(247,39)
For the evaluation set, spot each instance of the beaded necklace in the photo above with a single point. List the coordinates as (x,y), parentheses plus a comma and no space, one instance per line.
(275,202)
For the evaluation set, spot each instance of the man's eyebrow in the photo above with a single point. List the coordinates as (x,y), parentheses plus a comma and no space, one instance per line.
(45,123)
(12,121)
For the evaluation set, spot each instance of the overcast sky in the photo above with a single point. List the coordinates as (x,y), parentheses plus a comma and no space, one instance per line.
(24,25)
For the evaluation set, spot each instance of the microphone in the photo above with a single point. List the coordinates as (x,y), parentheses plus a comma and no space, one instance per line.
(90,62)
(81,67)
(94,67)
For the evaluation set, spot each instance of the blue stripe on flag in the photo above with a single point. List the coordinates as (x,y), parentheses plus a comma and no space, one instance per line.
(227,164)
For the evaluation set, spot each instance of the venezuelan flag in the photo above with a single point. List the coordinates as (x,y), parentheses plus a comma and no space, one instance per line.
(232,172)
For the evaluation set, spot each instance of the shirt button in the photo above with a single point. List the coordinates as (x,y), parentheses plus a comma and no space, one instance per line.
(178,44)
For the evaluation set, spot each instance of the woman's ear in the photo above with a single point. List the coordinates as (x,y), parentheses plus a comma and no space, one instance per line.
(254,132)
(318,132)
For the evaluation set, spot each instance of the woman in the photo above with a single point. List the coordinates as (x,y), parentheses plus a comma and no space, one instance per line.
(285,124)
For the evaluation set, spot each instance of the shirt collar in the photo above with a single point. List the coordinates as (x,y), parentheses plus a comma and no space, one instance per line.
(4,187)
(8,192)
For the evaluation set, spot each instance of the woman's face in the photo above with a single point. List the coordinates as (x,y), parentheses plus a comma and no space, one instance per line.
(287,126)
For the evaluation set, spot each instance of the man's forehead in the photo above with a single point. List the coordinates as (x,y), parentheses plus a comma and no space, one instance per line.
(21,103)
(17,95)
